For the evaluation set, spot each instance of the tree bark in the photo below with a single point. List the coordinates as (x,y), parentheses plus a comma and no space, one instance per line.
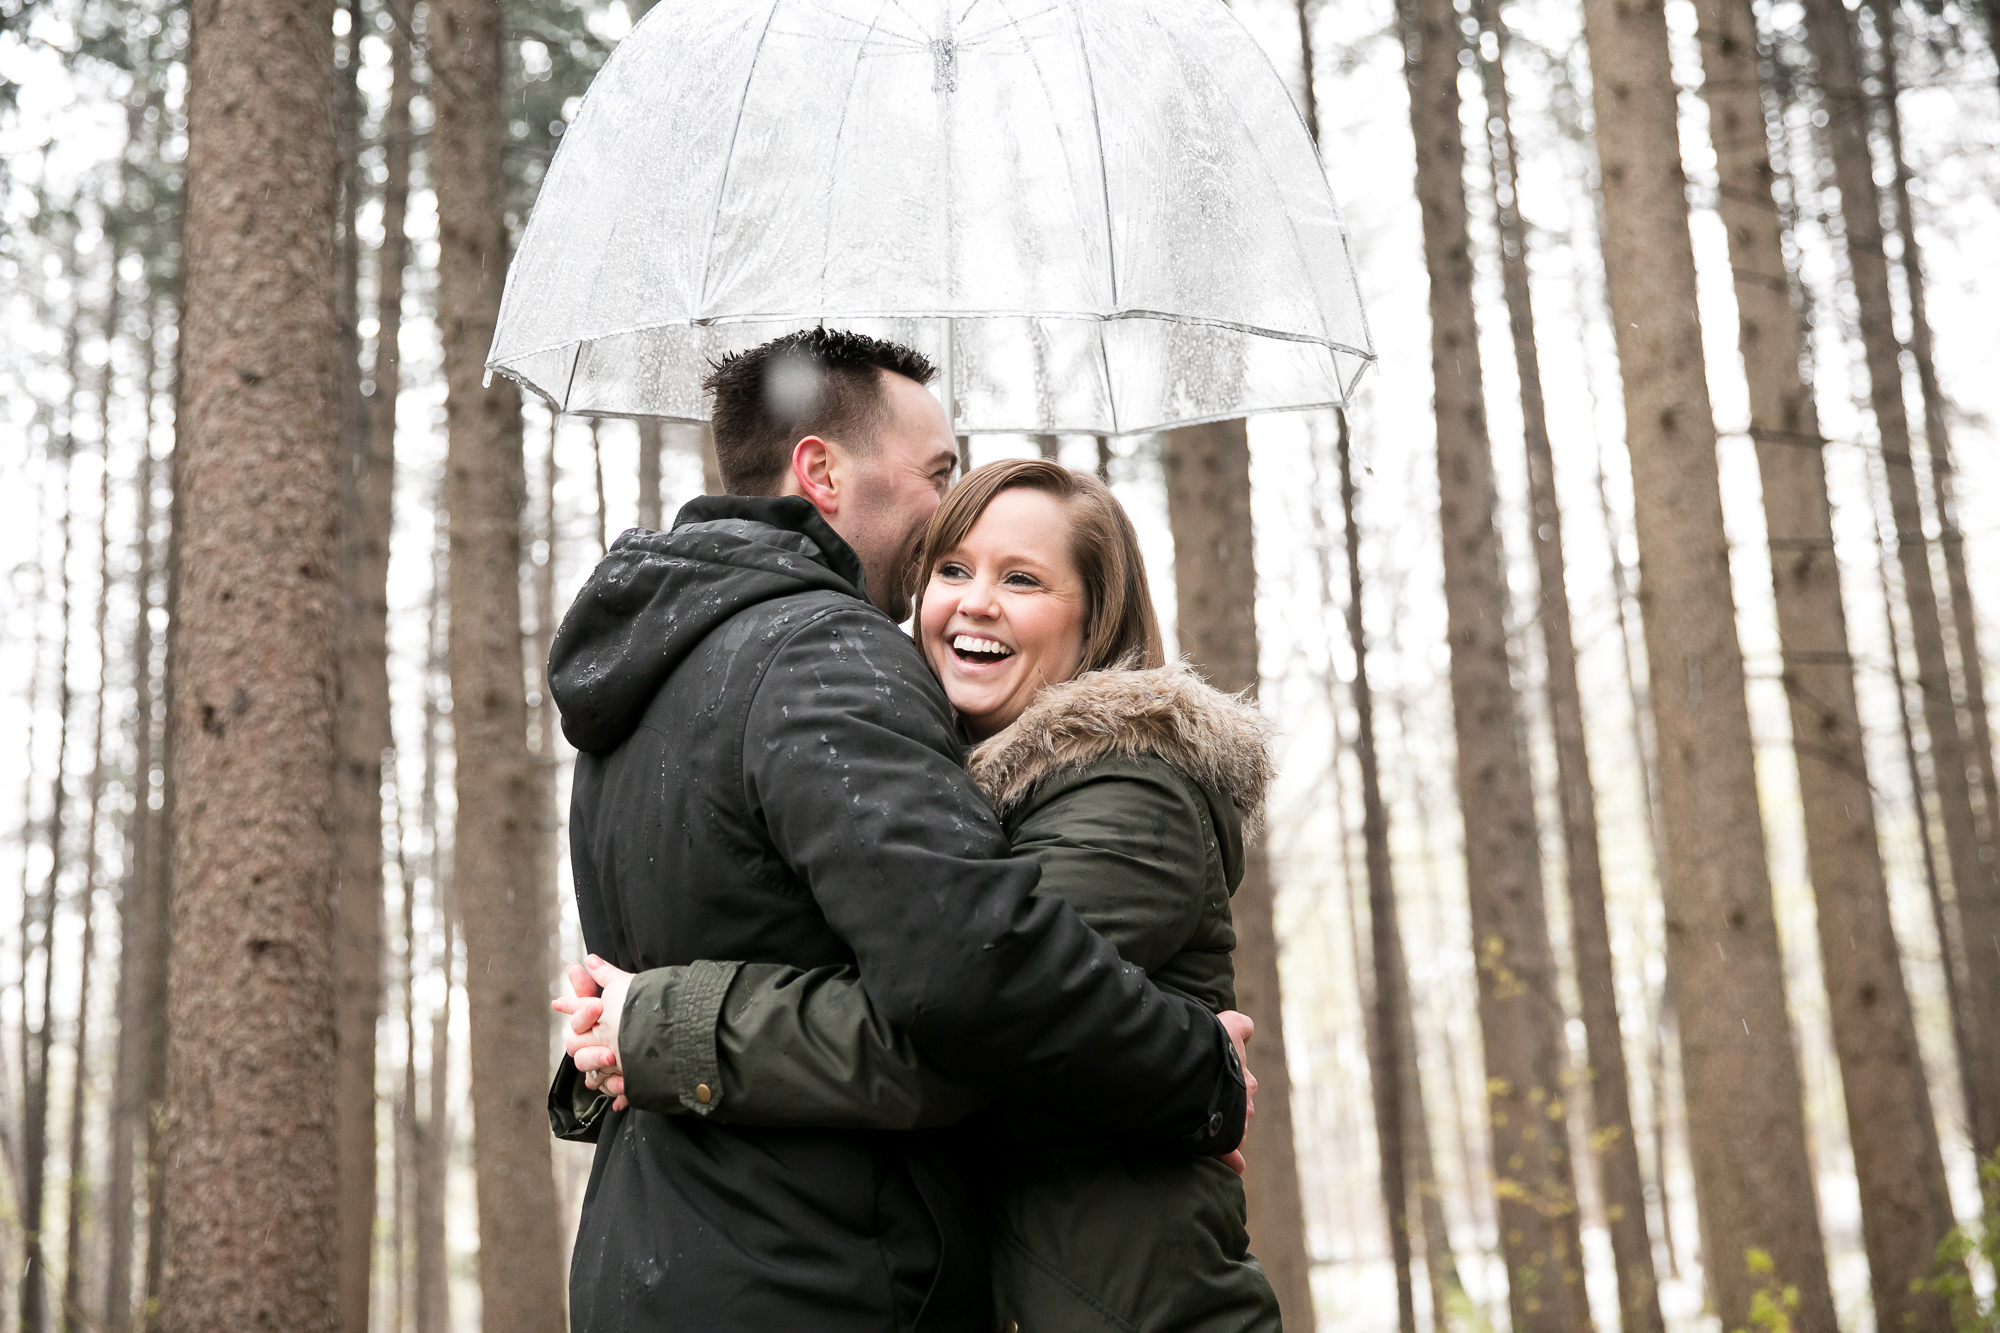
(1387,1051)
(1104,459)
(1049,447)
(499,791)
(711,470)
(432,1134)
(1520,1010)
(1746,1122)
(251,1105)
(77,1184)
(1937,435)
(651,439)
(1905,1206)
(139,947)
(1614,1145)
(367,487)
(1829,29)
(1215,579)
(36,1043)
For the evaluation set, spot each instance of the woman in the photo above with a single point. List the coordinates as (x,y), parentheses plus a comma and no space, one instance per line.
(1132,784)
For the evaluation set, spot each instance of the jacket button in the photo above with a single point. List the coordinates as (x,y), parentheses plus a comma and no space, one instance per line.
(702,1095)
(1214,1121)
(1012,1327)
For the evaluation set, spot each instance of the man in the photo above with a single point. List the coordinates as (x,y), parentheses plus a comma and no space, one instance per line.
(769,772)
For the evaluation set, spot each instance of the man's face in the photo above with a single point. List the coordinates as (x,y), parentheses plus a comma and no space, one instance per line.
(895,490)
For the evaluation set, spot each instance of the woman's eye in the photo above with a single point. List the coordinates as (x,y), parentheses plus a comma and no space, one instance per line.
(1022,581)
(951,571)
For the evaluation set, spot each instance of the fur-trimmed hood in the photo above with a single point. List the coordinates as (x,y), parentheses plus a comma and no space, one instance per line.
(1219,740)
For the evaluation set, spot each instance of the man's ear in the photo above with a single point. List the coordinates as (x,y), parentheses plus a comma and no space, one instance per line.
(816,473)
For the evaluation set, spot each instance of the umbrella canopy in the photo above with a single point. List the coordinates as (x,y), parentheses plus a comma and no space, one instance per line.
(1096,215)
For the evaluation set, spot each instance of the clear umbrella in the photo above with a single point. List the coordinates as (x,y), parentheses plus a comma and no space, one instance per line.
(1096,215)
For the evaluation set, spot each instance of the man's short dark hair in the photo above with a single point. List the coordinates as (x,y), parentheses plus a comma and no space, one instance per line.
(817,381)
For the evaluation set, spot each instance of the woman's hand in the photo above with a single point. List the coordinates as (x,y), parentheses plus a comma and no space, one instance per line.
(1240,1029)
(594,1012)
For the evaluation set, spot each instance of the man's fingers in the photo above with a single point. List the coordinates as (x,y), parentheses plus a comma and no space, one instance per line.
(620,1104)
(582,982)
(615,1085)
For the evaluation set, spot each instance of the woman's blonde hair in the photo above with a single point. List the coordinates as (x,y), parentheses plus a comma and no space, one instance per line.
(1119,627)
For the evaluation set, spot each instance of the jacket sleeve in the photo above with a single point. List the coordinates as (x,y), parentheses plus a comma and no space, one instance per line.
(792,1047)
(785,1047)
(851,762)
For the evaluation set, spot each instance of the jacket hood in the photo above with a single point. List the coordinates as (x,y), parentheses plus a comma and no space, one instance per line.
(656,595)
(1219,740)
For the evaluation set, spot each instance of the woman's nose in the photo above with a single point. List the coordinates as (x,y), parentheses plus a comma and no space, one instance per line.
(978,599)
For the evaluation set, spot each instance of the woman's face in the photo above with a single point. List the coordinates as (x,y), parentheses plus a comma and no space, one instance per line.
(1003,613)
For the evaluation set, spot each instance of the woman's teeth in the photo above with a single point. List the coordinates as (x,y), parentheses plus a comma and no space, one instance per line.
(976,647)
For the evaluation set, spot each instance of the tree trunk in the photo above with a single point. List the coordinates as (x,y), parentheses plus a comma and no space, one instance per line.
(1829,29)
(367,486)
(1104,459)
(1905,1206)
(597,470)
(1387,1050)
(499,791)
(35,1044)
(1520,1010)
(651,439)
(1615,1148)
(1746,1123)
(251,1105)
(159,906)
(432,1135)
(1049,447)
(77,1185)
(1215,578)
(1937,435)
(16,1132)
(138,949)
(711,470)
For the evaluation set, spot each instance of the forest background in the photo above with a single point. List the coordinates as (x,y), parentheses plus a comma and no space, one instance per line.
(93,149)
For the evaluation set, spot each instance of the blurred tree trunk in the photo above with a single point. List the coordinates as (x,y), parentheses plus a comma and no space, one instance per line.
(1829,29)
(155,1037)
(432,1134)
(1614,1145)
(500,788)
(1520,1009)
(500,791)
(652,438)
(251,1104)
(1661,1029)
(36,1042)
(1746,1122)
(1215,579)
(1104,459)
(1049,447)
(77,1186)
(139,945)
(597,469)
(1905,1206)
(1388,1052)
(367,488)
(16,1111)
(711,470)
(1937,433)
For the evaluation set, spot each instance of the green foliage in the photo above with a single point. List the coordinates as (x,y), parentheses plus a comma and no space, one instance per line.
(1964,1253)
(1774,1302)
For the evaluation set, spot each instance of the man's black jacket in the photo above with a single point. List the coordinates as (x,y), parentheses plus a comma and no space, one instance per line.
(769,773)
